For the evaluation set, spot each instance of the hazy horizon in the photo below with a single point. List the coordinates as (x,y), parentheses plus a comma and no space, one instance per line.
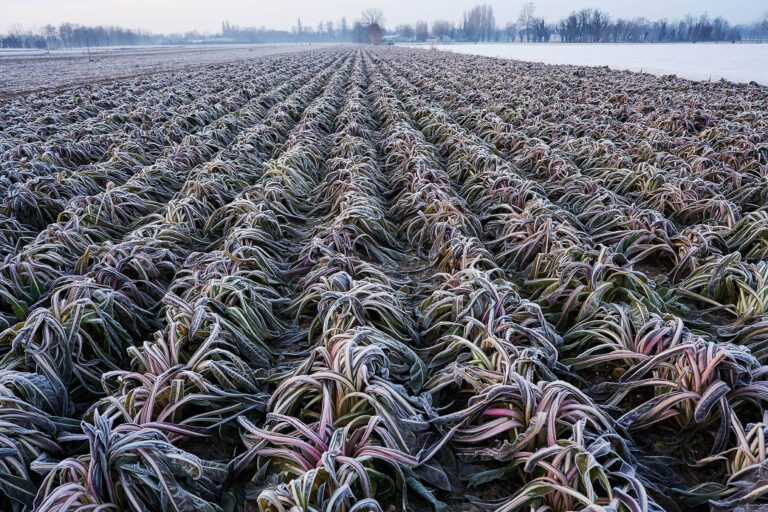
(172,16)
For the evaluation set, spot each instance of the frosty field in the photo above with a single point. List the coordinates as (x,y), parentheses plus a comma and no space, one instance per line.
(734,62)
(34,70)
(368,279)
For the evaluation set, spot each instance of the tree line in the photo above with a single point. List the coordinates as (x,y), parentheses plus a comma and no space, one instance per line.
(69,35)
(368,29)
(324,31)
(475,25)
(583,26)
(594,26)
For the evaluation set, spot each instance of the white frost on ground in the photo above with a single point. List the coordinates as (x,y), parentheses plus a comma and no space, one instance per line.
(735,62)
(33,70)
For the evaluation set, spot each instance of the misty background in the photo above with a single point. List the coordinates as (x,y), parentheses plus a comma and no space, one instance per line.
(51,24)
(178,16)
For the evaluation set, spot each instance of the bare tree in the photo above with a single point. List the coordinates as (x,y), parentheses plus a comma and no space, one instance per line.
(527,15)
(598,25)
(509,31)
(422,31)
(479,23)
(373,16)
(359,32)
(442,29)
(50,34)
(407,31)
(344,29)
(569,28)
(373,21)
(541,30)
(489,22)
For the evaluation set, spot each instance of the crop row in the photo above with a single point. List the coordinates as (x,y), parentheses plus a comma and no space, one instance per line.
(365,280)
(676,391)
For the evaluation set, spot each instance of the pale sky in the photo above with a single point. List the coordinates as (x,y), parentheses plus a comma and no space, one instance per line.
(165,16)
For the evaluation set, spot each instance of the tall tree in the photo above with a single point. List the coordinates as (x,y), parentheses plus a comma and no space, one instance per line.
(479,23)
(442,29)
(421,31)
(373,21)
(407,31)
(527,14)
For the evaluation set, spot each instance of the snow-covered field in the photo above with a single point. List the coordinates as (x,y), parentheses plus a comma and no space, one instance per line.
(735,62)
